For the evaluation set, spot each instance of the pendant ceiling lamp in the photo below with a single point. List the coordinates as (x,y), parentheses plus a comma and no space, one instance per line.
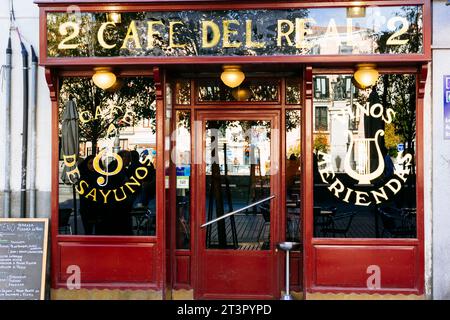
(232,75)
(241,93)
(104,78)
(114,17)
(356,12)
(366,75)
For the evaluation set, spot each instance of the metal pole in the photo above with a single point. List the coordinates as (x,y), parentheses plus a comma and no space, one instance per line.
(7,192)
(236,211)
(287,272)
(23,185)
(33,109)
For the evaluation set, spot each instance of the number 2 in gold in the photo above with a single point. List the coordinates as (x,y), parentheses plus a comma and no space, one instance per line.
(393,39)
(63,30)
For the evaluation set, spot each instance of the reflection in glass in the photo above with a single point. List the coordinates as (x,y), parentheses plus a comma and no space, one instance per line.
(183,174)
(293,91)
(183,92)
(237,175)
(114,171)
(293,177)
(364,165)
(257,90)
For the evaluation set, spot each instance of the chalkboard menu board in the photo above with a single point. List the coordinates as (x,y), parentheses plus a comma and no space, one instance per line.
(23,255)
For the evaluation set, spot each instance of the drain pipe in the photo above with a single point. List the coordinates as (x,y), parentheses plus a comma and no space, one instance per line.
(7,150)
(33,109)
(23,185)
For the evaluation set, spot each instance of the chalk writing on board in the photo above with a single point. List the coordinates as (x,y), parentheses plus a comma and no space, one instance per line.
(22,258)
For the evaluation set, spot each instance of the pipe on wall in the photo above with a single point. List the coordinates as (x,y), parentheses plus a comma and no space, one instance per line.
(32,128)
(7,150)
(23,184)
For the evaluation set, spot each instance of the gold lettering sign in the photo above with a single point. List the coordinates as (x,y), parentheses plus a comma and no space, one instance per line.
(151,32)
(172,32)
(206,26)
(100,34)
(249,43)
(132,34)
(227,32)
(261,32)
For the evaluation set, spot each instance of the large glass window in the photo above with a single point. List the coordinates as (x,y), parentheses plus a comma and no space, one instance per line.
(107,157)
(364,165)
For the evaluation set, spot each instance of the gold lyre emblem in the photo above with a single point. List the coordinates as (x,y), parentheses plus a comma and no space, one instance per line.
(364,176)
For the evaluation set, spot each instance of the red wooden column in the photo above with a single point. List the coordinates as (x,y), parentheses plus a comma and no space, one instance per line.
(307,178)
(421,81)
(52,86)
(164,259)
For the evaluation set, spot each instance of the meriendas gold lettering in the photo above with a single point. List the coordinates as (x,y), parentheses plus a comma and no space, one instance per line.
(391,186)
(364,198)
(226,33)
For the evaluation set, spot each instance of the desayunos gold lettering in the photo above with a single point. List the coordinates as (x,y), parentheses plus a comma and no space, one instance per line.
(118,194)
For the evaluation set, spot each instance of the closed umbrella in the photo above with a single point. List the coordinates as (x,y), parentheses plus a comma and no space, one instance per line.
(70,148)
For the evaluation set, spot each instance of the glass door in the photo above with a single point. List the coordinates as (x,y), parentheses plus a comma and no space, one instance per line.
(238,194)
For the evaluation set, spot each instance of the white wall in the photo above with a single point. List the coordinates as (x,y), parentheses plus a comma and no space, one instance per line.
(27,14)
(441,154)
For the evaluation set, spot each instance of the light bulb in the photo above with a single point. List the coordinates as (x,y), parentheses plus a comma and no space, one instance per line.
(104,78)
(232,76)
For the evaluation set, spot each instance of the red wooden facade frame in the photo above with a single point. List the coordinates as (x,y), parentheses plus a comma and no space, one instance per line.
(318,254)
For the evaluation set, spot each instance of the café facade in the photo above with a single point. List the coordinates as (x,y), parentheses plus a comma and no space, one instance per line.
(208,132)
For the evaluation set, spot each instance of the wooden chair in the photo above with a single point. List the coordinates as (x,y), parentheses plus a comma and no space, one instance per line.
(394,223)
(334,230)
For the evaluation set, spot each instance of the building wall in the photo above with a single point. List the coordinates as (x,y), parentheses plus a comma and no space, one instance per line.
(27,14)
(441,154)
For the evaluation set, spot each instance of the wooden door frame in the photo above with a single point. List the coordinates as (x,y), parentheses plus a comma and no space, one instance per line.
(198,172)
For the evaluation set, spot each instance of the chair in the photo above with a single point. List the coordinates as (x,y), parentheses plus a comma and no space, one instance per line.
(394,223)
(341,231)
(323,218)
(266,215)
(64,218)
(144,220)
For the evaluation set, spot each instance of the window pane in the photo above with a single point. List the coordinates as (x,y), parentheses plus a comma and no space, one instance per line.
(364,166)
(107,172)
(237,176)
(183,175)
(251,90)
(321,118)
(293,177)
(183,92)
(293,91)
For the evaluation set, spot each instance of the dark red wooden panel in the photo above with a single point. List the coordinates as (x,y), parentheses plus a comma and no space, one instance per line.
(296,272)
(183,270)
(346,266)
(103,263)
(249,275)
